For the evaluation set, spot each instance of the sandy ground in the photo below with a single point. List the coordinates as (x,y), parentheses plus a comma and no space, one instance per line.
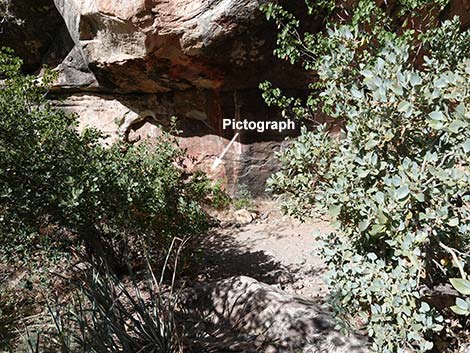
(273,248)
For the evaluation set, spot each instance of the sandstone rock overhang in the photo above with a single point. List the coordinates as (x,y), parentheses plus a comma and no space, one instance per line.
(198,60)
(201,60)
(161,46)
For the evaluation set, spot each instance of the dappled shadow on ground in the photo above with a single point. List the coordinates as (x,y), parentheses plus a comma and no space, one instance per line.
(245,315)
(223,256)
(238,303)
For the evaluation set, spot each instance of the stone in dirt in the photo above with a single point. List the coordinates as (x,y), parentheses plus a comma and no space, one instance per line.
(244,216)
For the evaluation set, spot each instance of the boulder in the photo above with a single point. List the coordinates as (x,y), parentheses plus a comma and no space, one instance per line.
(133,65)
(249,162)
(285,322)
(243,216)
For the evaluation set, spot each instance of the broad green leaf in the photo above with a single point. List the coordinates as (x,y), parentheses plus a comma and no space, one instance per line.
(367,73)
(436,124)
(362,173)
(404,106)
(420,197)
(415,79)
(453,222)
(377,228)
(456,125)
(462,304)
(334,211)
(398,90)
(414,260)
(424,307)
(363,225)
(466,146)
(460,111)
(356,93)
(461,285)
(437,115)
(371,144)
(381,217)
(458,310)
(380,197)
(402,192)
(441,83)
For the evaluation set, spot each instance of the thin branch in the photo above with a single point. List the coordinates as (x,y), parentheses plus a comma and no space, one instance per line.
(452,252)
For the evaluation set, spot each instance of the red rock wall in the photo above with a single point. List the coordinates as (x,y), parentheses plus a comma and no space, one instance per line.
(199,60)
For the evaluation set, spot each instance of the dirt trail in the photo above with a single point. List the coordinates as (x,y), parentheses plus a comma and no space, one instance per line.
(273,248)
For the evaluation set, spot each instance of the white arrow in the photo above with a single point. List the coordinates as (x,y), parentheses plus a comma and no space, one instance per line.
(218,160)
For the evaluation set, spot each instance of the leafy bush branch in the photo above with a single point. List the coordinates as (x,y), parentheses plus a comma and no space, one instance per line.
(396,181)
(58,185)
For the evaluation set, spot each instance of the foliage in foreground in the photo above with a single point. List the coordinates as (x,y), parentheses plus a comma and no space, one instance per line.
(59,187)
(104,313)
(63,194)
(397,180)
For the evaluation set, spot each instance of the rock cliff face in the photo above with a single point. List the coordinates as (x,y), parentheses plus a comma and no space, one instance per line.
(162,46)
(200,60)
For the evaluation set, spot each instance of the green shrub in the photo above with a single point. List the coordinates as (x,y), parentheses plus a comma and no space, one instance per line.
(242,198)
(63,193)
(60,188)
(396,181)
(218,198)
(462,285)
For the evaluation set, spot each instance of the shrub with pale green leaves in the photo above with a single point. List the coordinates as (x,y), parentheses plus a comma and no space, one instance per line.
(396,181)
